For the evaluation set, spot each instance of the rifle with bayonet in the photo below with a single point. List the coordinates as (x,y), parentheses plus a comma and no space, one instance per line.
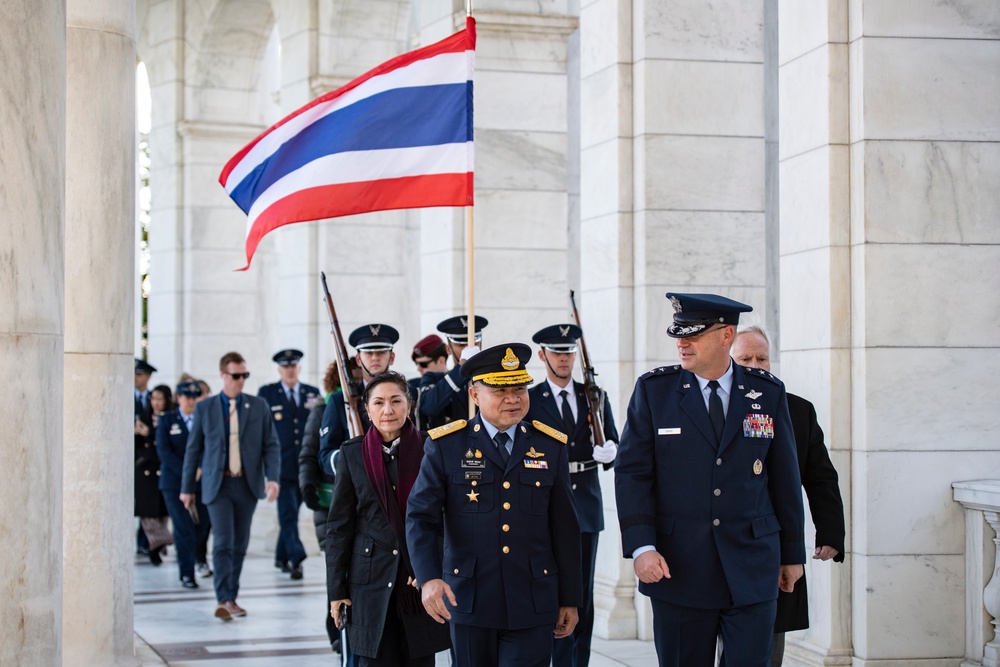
(350,375)
(595,395)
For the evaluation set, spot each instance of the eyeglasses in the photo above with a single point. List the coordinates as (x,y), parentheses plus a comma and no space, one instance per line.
(424,364)
(239,376)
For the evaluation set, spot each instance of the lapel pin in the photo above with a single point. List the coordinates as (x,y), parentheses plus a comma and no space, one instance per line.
(755,406)
(475,429)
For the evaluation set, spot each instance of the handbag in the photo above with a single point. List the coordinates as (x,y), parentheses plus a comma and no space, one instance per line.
(156,532)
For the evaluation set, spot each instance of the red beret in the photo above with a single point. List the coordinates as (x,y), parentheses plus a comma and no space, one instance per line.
(425,346)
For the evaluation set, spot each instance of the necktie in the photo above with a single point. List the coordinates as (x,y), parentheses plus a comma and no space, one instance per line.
(500,439)
(291,397)
(235,463)
(567,413)
(715,413)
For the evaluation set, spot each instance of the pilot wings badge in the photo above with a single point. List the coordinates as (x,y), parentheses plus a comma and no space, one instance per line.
(753,394)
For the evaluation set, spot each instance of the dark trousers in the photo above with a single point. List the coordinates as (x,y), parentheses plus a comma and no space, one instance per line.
(185,532)
(574,651)
(204,530)
(231,511)
(393,650)
(491,647)
(687,636)
(289,548)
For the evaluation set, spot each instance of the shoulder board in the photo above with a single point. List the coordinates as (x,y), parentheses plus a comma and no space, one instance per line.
(436,433)
(551,432)
(662,370)
(761,373)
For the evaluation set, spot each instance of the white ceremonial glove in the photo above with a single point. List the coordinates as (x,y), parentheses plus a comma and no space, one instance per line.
(468,353)
(607,452)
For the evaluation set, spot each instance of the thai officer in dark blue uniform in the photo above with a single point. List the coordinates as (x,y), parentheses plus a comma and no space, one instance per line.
(561,402)
(708,493)
(171,440)
(373,344)
(444,397)
(508,578)
(289,401)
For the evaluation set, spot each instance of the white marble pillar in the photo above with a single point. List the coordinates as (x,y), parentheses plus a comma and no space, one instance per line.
(814,231)
(32,133)
(98,536)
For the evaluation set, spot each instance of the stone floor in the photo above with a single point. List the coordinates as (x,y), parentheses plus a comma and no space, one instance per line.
(175,626)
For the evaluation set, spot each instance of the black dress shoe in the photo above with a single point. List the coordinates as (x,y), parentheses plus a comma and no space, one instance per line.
(335,646)
(154,557)
(296,571)
(282,566)
(189,582)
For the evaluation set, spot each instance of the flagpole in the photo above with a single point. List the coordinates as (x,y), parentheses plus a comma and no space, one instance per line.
(470,265)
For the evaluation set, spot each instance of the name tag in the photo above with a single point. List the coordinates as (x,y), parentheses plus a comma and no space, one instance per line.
(669,431)
(175,429)
(275,408)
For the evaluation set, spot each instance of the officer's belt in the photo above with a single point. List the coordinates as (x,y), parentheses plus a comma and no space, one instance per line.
(582,466)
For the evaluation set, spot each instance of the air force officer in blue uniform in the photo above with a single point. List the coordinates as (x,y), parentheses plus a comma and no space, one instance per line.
(290,401)
(561,402)
(708,493)
(509,575)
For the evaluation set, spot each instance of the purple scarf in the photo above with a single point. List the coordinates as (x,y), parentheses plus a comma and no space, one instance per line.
(411,451)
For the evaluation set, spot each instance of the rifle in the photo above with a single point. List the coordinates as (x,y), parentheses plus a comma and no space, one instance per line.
(595,395)
(350,375)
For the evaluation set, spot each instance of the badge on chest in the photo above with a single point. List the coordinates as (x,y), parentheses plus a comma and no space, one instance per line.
(756,425)
(473,459)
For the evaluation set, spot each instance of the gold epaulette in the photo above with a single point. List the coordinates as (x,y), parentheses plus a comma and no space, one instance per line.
(436,433)
(551,432)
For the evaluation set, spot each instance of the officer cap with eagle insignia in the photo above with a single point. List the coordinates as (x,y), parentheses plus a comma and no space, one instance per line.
(143,367)
(695,313)
(373,338)
(289,357)
(560,338)
(500,366)
(457,328)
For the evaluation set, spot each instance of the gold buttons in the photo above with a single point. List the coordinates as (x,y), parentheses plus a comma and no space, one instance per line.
(475,483)
(545,571)
(506,550)
(506,506)
(456,570)
(505,527)
(538,483)
(506,485)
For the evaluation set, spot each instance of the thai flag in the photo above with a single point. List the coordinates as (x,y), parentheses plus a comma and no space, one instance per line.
(399,136)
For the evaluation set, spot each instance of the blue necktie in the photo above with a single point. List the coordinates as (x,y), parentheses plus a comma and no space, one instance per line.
(500,439)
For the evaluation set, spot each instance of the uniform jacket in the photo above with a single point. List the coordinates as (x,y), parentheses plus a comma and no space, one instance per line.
(488,508)
(148,500)
(443,398)
(289,424)
(334,430)
(206,446)
(723,516)
(171,441)
(311,473)
(819,479)
(586,485)
(363,556)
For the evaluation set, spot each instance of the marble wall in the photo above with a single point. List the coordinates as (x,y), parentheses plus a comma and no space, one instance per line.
(32,205)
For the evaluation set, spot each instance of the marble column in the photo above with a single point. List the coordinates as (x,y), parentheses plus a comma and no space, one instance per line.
(32,133)
(99,535)
(814,232)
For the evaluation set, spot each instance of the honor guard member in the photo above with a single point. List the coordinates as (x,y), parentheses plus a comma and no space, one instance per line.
(561,402)
(290,401)
(708,493)
(508,579)
(444,396)
(373,345)
(430,355)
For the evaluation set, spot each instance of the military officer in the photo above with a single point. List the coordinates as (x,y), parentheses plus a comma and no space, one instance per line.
(561,403)
(430,355)
(508,578)
(289,401)
(444,395)
(373,345)
(708,493)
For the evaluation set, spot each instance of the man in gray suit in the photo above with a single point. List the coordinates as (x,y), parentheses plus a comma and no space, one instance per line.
(233,445)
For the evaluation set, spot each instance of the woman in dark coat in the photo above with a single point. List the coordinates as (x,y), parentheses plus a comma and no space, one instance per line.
(149,505)
(368,569)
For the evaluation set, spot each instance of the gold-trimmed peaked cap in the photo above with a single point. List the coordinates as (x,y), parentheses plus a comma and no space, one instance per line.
(695,313)
(500,366)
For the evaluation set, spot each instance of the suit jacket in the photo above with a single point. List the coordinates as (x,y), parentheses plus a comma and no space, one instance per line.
(724,516)
(334,430)
(363,553)
(289,424)
(586,484)
(207,446)
(171,442)
(819,479)
(511,535)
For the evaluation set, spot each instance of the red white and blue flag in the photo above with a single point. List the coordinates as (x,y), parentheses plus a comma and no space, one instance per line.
(398,136)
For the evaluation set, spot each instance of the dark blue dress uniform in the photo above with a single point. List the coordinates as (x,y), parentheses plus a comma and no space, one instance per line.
(290,415)
(444,397)
(171,442)
(511,536)
(724,513)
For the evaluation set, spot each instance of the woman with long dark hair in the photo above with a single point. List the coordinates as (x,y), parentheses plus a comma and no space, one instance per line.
(369,576)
